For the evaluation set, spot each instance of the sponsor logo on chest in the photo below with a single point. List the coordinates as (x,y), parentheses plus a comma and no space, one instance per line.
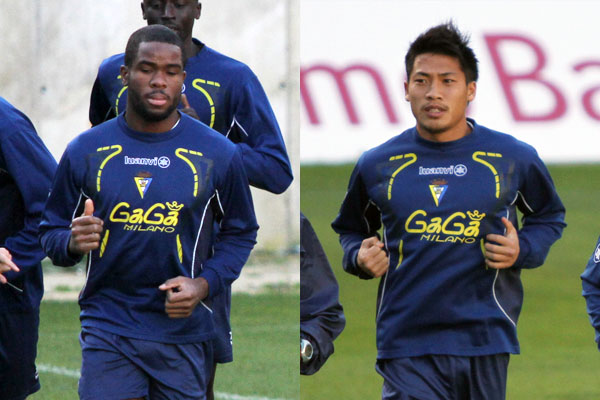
(162,162)
(457,170)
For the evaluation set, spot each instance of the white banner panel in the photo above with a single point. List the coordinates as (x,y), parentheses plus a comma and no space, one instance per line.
(539,67)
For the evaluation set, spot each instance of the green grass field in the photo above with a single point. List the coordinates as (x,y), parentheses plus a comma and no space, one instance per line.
(265,343)
(559,358)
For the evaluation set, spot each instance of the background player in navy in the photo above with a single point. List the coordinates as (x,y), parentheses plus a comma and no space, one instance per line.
(220,91)
(147,179)
(321,314)
(590,280)
(451,253)
(224,94)
(26,171)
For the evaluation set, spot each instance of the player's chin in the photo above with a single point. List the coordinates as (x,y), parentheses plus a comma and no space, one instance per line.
(155,114)
(434,126)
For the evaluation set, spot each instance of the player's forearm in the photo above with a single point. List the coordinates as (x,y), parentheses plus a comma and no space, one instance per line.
(230,255)
(25,250)
(326,323)
(55,243)
(351,244)
(535,240)
(267,170)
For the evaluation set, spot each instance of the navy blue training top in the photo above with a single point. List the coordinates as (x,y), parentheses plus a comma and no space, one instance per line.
(26,172)
(227,97)
(153,192)
(437,202)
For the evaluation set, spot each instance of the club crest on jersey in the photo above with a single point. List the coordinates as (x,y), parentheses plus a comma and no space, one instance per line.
(438,188)
(597,254)
(142,183)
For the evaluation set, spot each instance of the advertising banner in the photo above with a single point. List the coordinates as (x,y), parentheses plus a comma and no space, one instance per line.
(539,68)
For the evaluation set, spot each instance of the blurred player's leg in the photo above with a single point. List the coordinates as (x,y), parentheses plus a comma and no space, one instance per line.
(114,366)
(210,390)
(18,349)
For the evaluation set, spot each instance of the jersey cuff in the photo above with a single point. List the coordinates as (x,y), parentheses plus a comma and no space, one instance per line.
(214,282)
(524,250)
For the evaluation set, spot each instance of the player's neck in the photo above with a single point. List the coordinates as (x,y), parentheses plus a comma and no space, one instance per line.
(139,124)
(191,48)
(457,132)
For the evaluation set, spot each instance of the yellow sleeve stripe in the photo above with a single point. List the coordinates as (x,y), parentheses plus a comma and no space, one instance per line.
(117,149)
(196,84)
(478,154)
(179,250)
(179,153)
(104,242)
(411,158)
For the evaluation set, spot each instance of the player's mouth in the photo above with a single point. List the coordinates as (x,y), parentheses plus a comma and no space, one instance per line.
(435,110)
(174,28)
(157,99)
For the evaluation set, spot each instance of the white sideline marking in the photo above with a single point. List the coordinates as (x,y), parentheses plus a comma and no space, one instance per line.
(75,373)
(72,373)
(231,396)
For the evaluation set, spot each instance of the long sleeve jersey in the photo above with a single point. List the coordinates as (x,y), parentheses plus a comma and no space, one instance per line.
(152,191)
(437,202)
(321,314)
(227,97)
(26,172)
(590,280)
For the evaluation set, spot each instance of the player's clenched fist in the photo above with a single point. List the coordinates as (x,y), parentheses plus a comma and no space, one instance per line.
(502,251)
(372,258)
(85,231)
(183,295)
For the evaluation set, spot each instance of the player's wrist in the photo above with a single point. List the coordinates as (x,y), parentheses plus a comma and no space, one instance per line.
(202,287)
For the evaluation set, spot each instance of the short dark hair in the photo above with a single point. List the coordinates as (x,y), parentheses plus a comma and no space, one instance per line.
(447,40)
(151,33)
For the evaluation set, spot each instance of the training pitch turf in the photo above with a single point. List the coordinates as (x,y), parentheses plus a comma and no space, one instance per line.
(559,358)
(265,349)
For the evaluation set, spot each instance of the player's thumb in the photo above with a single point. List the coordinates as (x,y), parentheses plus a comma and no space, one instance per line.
(510,228)
(372,241)
(89,208)
(184,101)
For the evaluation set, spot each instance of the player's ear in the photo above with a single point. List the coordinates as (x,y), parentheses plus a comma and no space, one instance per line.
(471,90)
(124,75)
(143,11)
(198,11)
(406,91)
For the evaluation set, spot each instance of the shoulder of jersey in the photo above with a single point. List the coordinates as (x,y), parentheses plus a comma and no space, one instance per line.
(204,129)
(113,62)
(221,60)
(505,139)
(98,131)
(400,143)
